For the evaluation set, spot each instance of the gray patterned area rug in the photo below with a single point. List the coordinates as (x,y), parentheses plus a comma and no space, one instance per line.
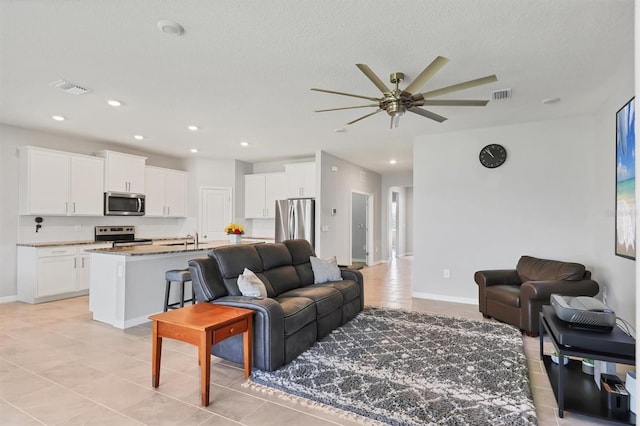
(408,368)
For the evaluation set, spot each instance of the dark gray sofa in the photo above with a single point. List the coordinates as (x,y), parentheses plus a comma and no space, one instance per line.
(296,312)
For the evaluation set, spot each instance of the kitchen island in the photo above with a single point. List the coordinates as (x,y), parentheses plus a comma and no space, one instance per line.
(127,284)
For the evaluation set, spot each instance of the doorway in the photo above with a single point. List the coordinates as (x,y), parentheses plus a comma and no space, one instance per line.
(360,229)
(393,225)
(215,213)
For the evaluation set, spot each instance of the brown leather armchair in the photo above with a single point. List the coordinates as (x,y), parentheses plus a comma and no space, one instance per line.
(516,296)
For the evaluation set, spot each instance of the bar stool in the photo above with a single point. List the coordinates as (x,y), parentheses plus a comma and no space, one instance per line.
(179,276)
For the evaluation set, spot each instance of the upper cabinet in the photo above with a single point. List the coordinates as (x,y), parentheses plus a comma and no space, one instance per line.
(165,192)
(123,172)
(58,183)
(261,190)
(301,180)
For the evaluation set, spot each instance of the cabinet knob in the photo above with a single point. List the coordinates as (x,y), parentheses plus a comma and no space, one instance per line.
(231,330)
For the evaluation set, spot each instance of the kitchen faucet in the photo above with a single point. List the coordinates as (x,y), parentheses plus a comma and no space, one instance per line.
(195,239)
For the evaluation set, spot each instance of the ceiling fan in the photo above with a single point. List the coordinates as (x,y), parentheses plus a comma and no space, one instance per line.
(396,102)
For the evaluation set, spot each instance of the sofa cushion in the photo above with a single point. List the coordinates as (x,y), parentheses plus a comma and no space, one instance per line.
(300,251)
(305,273)
(350,289)
(327,299)
(298,312)
(506,294)
(250,285)
(325,270)
(534,269)
(273,255)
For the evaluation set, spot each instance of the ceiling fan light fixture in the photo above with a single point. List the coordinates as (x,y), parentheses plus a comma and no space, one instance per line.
(396,102)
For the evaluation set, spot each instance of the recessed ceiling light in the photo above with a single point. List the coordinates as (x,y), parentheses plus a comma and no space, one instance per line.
(57,117)
(192,128)
(550,101)
(243,143)
(393,161)
(114,103)
(340,130)
(138,137)
(170,27)
(194,150)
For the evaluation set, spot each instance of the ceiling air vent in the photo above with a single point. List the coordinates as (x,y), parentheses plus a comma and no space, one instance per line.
(68,87)
(500,95)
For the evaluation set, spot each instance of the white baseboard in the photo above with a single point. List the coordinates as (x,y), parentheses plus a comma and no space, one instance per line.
(8,299)
(444,298)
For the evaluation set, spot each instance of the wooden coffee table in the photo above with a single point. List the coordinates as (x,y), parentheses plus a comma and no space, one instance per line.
(203,325)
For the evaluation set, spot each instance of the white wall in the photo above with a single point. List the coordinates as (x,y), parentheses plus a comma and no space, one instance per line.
(551,199)
(335,192)
(409,234)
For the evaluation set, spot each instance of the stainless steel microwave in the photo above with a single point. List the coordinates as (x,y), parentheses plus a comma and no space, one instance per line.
(123,204)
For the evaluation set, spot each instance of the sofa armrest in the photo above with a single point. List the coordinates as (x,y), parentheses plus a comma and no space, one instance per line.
(354,275)
(542,290)
(497,277)
(268,329)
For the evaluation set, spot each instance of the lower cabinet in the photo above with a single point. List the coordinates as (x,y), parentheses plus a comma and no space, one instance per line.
(51,273)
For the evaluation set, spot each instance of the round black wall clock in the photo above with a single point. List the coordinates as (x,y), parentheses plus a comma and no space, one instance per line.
(492,156)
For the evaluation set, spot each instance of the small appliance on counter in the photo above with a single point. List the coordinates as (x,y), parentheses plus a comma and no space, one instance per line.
(123,204)
(120,236)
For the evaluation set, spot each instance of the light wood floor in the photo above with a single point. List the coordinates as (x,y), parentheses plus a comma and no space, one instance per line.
(59,367)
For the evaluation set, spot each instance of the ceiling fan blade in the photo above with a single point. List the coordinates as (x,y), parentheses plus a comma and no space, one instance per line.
(346,94)
(452,102)
(353,107)
(364,116)
(460,86)
(426,74)
(428,114)
(374,78)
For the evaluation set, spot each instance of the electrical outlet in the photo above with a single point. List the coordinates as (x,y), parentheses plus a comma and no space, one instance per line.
(446,273)
(324,228)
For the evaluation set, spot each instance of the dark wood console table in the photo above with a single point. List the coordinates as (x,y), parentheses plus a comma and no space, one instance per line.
(573,389)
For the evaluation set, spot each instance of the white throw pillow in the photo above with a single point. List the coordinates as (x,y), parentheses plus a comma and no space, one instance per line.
(250,285)
(325,270)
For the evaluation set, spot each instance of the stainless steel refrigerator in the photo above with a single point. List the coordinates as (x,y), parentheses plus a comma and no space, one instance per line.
(295,219)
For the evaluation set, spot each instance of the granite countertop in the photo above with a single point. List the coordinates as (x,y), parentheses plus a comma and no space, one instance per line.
(156,242)
(63,243)
(150,249)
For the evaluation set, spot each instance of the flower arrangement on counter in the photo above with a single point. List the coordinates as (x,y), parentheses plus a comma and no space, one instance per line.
(234,229)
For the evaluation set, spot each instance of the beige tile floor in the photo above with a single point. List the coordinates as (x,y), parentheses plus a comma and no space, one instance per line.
(59,367)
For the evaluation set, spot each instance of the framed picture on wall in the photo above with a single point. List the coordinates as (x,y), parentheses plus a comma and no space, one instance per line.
(626,181)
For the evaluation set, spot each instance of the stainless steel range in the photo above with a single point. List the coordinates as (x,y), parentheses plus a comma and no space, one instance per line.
(120,236)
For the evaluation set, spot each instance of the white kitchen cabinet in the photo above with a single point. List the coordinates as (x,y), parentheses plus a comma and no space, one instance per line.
(301,180)
(83,264)
(51,273)
(261,190)
(165,192)
(57,183)
(87,181)
(123,172)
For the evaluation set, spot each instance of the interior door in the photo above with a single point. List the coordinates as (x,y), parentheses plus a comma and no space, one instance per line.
(215,213)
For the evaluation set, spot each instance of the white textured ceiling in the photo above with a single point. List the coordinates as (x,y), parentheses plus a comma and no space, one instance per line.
(243,69)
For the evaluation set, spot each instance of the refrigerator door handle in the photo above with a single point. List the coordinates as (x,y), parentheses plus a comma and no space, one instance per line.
(292,221)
